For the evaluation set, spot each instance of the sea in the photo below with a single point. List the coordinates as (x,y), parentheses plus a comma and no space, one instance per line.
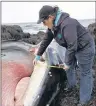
(33,28)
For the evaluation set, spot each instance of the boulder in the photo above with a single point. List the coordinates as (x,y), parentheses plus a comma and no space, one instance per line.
(92,29)
(15,32)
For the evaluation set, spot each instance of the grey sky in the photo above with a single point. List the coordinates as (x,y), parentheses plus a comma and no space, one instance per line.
(17,12)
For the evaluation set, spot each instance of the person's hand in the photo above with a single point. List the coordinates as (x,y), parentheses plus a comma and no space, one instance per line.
(35,62)
(65,67)
(37,58)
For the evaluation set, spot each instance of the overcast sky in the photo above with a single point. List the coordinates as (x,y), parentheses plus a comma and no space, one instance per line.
(18,12)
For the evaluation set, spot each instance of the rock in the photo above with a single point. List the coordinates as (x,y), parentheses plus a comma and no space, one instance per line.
(92,29)
(15,32)
(41,33)
(30,40)
(26,35)
(6,35)
(35,38)
(3,28)
(17,28)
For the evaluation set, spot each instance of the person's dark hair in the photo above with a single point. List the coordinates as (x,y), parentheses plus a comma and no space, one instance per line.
(55,10)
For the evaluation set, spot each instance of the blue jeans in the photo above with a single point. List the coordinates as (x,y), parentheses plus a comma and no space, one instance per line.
(85,62)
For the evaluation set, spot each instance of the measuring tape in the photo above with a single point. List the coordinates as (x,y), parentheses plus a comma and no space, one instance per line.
(56,66)
(51,66)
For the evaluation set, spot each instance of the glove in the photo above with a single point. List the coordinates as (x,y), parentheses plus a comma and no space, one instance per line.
(37,58)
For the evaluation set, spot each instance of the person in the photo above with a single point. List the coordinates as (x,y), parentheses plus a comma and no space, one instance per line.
(79,44)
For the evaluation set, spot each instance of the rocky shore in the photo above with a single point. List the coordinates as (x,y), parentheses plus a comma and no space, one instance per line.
(15,32)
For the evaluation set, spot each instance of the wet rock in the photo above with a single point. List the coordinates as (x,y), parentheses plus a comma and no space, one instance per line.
(35,38)
(6,35)
(41,34)
(17,28)
(15,32)
(92,29)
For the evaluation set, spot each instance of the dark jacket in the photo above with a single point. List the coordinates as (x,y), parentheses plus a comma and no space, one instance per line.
(68,33)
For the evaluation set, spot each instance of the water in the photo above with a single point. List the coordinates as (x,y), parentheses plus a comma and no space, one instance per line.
(33,28)
(86,22)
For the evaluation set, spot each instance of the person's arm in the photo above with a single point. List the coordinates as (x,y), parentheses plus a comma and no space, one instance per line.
(70,35)
(44,44)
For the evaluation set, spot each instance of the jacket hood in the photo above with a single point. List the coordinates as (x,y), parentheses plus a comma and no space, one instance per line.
(60,17)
